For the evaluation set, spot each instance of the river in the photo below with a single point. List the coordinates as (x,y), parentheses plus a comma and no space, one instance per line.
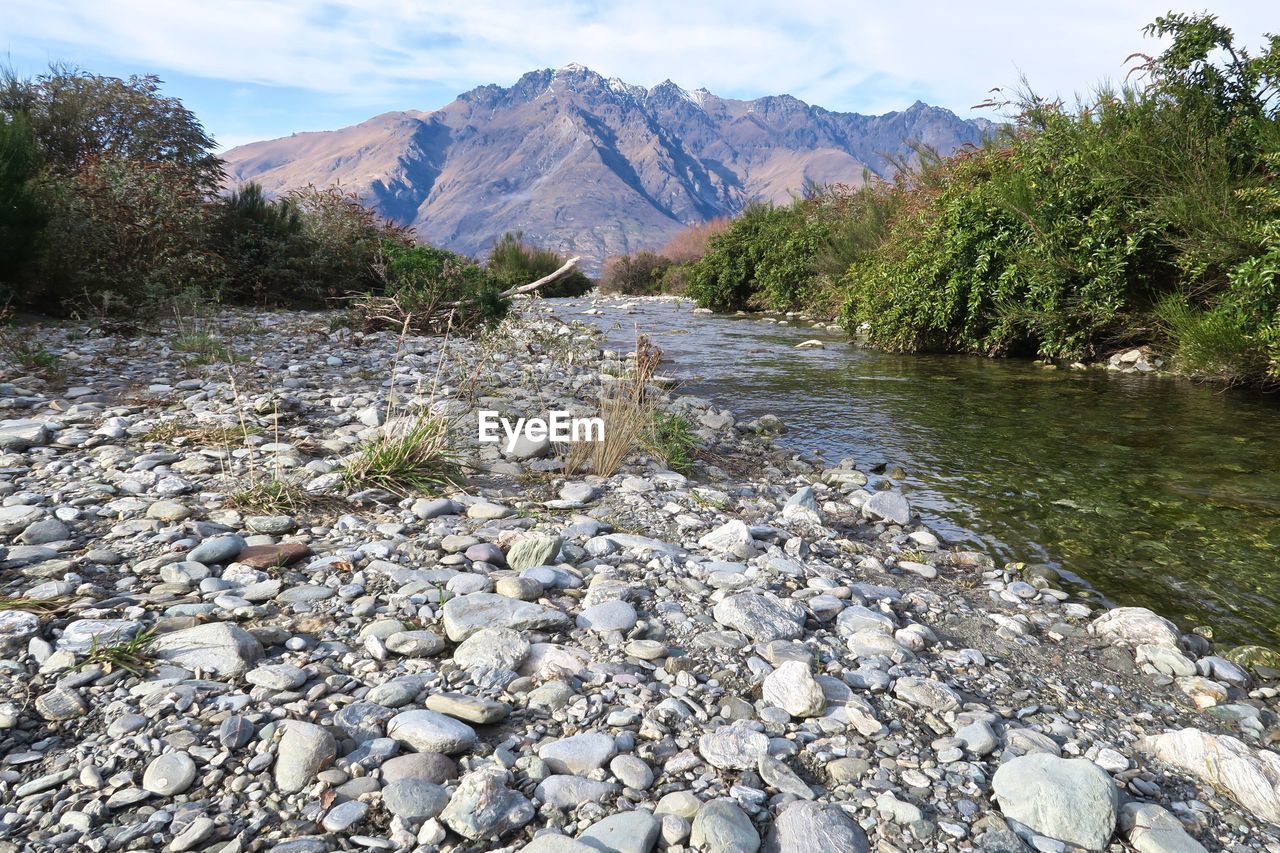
(1154,491)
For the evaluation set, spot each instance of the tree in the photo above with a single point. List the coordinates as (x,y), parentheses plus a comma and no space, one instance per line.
(21,214)
(78,118)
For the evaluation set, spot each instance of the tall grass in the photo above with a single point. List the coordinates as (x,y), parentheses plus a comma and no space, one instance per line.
(670,437)
(630,410)
(627,410)
(1210,342)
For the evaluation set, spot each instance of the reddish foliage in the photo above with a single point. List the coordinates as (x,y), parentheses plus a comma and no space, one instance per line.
(690,243)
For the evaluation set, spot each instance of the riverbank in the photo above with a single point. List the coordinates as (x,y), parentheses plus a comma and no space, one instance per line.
(759,653)
(1155,491)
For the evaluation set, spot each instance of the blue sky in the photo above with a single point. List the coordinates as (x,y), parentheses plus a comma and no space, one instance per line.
(254,69)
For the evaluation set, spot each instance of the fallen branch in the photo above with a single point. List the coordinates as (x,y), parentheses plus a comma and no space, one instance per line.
(387,312)
(546,279)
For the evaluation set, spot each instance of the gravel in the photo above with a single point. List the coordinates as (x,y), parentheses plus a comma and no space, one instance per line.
(764,652)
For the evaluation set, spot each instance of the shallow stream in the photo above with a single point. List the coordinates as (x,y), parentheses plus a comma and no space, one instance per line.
(1155,491)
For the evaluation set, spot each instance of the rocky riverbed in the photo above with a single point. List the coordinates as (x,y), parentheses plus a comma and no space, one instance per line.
(759,655)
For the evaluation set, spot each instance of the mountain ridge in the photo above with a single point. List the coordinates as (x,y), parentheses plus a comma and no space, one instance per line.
(591,165)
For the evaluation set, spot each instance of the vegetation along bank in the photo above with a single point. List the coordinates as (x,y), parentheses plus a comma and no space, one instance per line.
(1148,214)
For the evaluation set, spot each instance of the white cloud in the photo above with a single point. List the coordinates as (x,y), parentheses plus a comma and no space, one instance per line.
(869,56)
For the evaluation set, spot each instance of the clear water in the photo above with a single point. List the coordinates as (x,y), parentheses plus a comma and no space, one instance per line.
(1157,492)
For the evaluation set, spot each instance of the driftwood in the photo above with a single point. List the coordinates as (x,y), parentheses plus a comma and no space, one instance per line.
(546,279)
(524,288)
(386,311)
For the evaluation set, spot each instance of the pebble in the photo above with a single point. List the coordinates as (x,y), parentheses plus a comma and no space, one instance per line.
(170,774)
(785,660)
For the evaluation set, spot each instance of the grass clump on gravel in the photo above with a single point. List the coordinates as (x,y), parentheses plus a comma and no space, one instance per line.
(409,455)
(133,655)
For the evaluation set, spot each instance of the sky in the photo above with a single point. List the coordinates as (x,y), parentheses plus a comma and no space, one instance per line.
(257,69)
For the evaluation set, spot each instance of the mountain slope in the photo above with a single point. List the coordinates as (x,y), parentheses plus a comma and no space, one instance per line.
(591,166)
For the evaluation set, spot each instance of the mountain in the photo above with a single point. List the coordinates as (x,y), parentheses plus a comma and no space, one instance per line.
(588,165)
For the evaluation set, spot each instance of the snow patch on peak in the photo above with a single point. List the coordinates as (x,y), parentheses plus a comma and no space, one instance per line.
(573,68)
(616,84)
(695,97)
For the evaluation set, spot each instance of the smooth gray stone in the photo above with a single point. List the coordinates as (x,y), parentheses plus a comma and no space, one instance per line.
(467,614)
(721,827)
(218,647)
(169,774)
(567,792)
(414,798)
(304,750)
(804,827)
(428,731)
(625,832)
(1067,799)
(217,550)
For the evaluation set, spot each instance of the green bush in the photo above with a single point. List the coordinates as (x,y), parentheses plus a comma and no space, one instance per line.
(108,202)
(22,215)
(747,264)
(449,290)
(1022,247)
(676,279)
(514,262)
(81,118)
(262,243)
(1210,342)
(768,258)
(344,240)
(1063,239)
(123,175)
(1147,215)
(641,274)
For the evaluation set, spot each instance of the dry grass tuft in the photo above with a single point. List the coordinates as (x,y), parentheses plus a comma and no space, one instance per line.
(270,496)
(177,433)
(630,413)
(43,606)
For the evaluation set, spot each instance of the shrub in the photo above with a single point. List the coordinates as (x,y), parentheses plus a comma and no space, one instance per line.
(514,262)
(123,235)
(124,175)
(22,216)
(344,240)
(1148,214)
(691,242)
(443,290)
(80,119)
(1142,215)
(263,245)
(676,279)
(640,274)
(1022,247)
(858,221)
(763,259)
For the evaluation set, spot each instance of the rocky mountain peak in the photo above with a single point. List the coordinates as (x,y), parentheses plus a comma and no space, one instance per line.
(591,165)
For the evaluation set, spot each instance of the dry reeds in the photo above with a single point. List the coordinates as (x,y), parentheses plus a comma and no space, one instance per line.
(629,410)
